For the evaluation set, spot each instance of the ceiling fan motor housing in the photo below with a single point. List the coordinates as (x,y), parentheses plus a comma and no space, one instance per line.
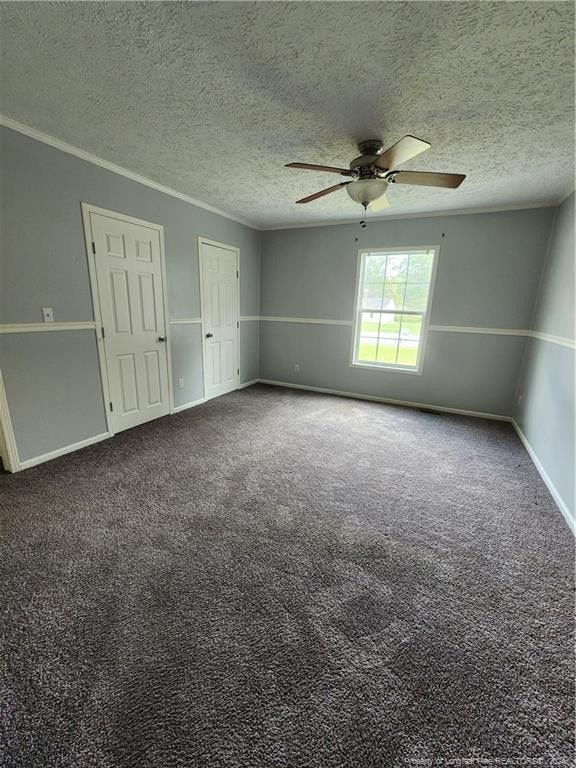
(364,164)
(370,147)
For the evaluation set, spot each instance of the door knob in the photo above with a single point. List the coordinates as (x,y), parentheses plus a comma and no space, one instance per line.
(209,335)
(161,338)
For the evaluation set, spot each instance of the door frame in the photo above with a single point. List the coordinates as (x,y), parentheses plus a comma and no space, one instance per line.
(206,241)
(8,448)
(87,209)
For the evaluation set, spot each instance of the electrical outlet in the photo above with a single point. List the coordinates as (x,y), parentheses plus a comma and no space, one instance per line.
(47,315)
(296,367)
(180,383)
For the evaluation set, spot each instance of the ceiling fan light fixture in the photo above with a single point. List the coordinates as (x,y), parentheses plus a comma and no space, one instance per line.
(365,191)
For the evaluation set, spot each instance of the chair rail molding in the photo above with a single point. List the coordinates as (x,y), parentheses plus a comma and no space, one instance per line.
(82,325)
(563,341)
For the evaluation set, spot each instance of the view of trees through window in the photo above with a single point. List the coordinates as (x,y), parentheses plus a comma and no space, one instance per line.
(393,297)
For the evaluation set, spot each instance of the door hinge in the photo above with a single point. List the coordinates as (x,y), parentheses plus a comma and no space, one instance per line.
(111,408)
(237,274)
(237,324)
(93,248)
(238,371)
(103,334)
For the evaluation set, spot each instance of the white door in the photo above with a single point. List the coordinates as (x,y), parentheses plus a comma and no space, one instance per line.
(130,292)
(220,320)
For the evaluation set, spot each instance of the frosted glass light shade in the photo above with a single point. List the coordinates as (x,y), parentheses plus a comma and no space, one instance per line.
(366,190)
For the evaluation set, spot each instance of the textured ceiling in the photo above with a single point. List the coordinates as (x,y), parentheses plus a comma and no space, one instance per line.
(212,99)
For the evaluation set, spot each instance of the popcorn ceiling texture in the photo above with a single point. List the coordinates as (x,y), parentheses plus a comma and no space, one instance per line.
(212,99)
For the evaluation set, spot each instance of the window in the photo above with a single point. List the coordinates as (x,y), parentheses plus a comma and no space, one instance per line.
(393,295)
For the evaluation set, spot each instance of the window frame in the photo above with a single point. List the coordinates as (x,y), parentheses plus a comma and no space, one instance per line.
(357,317)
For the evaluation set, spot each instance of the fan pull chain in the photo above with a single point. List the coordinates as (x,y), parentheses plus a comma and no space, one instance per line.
(363,222)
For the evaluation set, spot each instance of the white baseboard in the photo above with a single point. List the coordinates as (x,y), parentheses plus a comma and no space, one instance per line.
(63,451)
(184,407)
(203,399)
(561,504)
(388,400)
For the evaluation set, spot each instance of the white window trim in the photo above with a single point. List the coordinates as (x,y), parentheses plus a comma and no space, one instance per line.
(356,324)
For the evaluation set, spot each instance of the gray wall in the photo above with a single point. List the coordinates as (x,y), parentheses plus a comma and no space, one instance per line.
(51,379)
(488,275)
(545,409)
(53,388)
(492,273)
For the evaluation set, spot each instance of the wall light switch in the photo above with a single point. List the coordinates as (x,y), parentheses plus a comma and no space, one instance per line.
(47,315)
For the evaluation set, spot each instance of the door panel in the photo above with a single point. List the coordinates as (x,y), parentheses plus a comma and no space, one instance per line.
(129,276)
(214,353)
(143,250)
(147,303)
(120,301)
(229,358)
(154,387)
(214,304)
(220,321)
(129,389)
(115,246)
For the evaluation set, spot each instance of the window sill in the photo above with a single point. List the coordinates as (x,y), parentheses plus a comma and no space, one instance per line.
(388,368)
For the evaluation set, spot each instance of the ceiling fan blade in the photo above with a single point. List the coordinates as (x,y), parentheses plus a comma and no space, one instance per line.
(426,179)
(380,204)
(328,168)
(323,192)
(401,152)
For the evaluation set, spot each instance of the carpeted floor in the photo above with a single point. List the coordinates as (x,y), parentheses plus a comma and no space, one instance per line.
(278,579)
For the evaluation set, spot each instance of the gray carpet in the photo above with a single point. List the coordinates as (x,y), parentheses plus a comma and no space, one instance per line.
(284,579)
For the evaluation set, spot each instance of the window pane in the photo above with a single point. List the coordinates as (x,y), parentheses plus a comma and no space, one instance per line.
(407,353)
(416,297)
(375,267)
(390,325)
(411,328)
(397,267)
(370,324)
(372,295)
(367,350)
(420,267)
(393,296)
(387,350)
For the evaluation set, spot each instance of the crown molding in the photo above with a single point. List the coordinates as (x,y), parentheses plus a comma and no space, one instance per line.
(566,197)
(63,146)
(422,215)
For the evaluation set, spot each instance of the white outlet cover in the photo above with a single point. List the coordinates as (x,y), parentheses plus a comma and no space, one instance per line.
(47,315)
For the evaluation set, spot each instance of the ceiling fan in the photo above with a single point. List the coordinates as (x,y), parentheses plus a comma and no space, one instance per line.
(373,171)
